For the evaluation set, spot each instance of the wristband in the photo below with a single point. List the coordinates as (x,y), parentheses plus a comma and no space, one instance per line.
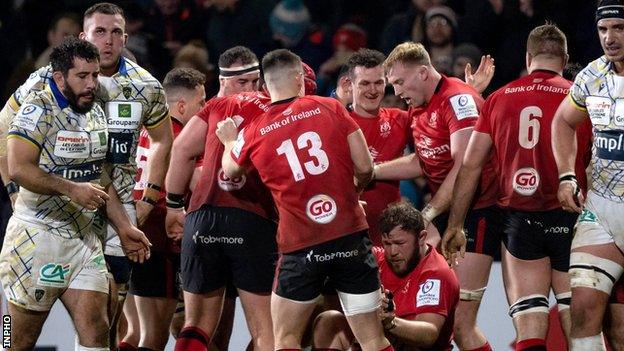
(148,200)
(429,213)
(567,176)
(570,178)
(375,170)
(11,188)
(175,200)
(154,186)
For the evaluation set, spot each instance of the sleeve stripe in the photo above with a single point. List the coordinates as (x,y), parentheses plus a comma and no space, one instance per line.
(13,103)
(25,138)
(577,105)
(152,126)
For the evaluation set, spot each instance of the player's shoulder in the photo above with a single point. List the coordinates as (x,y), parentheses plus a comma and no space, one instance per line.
(36,81)
(135,72)
(596,69)
(328,102)
(434,264)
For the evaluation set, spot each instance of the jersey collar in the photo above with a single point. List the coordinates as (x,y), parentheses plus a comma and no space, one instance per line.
(60,99)
(123,70)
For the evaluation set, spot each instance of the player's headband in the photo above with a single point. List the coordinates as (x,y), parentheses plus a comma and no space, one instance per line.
(609,11)
(231,72)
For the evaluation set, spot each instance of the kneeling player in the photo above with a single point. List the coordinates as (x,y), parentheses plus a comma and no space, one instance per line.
(420,291)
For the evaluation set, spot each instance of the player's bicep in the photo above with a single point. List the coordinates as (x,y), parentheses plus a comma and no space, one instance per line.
(192,138)
(570,113)
(459,143)
(360,155)
(478,150)
(162,133)
(22,153)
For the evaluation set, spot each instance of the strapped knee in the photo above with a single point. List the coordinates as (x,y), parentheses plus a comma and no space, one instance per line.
(535,303)
(589,271)
(471,295)
(563,300)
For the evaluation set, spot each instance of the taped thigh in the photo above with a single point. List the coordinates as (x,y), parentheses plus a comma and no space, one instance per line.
(353,304)
(589,271)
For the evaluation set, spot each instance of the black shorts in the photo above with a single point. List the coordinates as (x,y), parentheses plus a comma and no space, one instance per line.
(482,228)
(119,267)
(156,277)
(223,244)
(535,235)
(348,262)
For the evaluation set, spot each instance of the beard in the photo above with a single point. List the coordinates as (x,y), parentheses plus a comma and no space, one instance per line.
(74,100)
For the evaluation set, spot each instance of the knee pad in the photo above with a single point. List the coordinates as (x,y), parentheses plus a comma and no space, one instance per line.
(471,295)
(589,271)
(563,301)
(535,303)
(353,304)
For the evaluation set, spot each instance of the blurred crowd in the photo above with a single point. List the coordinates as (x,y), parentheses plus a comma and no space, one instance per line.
(193,33)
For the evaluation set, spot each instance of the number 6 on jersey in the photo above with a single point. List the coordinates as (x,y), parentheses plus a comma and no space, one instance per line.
(312,141)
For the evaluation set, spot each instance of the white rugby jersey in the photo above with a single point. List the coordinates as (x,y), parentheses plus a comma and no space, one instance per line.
(599,91)
(72,146)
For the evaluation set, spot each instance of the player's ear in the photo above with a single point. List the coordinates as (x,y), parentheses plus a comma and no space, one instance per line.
(82,35)
(59,79)
(422,236)
(528,59)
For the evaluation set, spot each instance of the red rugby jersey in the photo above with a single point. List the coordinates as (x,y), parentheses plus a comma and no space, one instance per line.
(454,106)
(386,134)
(214,188)
(518,117)
(431,287)
(301,151)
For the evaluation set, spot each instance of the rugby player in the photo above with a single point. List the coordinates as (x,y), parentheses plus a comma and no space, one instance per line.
(515,124)
(445,110)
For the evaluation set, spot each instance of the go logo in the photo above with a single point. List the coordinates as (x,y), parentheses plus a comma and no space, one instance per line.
(228,184)
(321,209)
(525,181)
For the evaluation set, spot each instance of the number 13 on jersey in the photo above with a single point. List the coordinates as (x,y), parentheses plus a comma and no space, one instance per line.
(312,142)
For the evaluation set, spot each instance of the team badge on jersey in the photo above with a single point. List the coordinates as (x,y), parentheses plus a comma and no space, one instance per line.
(127,92)
(28,117)
(464,106)
(321,209)
(384,129)
(228,184)
(525,181)
(428,293)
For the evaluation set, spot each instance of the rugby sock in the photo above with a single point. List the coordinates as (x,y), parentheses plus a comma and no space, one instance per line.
(192,339)
(589,343)
(534,344)
(485,347)
(124,346)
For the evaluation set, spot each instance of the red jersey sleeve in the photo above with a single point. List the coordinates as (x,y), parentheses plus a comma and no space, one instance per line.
(462,111)
(437,293)
(483,124)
